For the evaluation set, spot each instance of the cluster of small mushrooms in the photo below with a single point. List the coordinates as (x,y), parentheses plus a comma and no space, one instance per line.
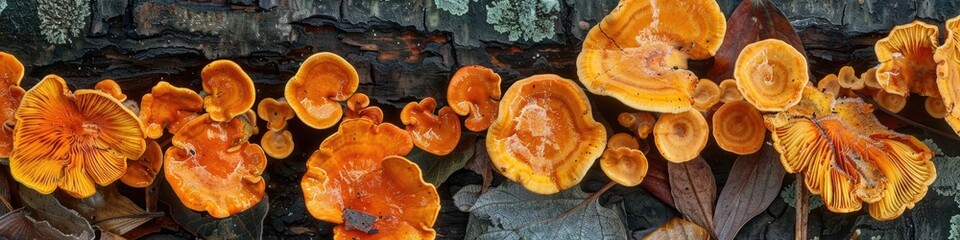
(540,133)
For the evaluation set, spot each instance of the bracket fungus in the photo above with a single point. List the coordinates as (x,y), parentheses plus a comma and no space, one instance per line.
(141,172)
(641,123)
(906,60)
(738,128)
(622,162)
(705,95)
(322,81)
(948,73)
(545,137)
(729,91)
(474,92)
(681,136)
(170,107)
(275,112)
(849,158)
(638,53)
(230,92)
(11,72)
(437,134)
(72,140)
(771,75)
(277,144)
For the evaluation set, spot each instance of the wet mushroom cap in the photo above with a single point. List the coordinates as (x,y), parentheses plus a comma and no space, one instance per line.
(112,88)
(935,107)
(705,95)
(170,107)
(890,101)
(230,91)
(275,112)
(847,78)
(906,60)
(11,72)
(771,75)
(322,81)
(830,84)
(639,122)
(141,172)
(729,91)
(358,106)
(681,136)
(738,128)
(276,144)
(622,140)
(474,92)
(437,134)
(948,72)
(545,137)
(625,166)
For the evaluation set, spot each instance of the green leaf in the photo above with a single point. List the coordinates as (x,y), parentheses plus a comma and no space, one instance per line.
(512,212)
(244,225)
(436,169)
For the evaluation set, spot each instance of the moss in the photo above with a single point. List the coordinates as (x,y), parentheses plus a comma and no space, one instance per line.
(455,7)
(789,195)
(524,19)
(62,19)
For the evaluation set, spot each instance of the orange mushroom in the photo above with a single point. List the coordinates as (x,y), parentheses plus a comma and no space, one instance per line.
(771,75)
(230,92)
(277,144)
(358,106)
(890,101)
(935,107)
(437,134)
(11,72)
(141,172)
(869,78)
(638,53)
(170,107)
(72,140)
(681,136)
(848,78)
(474,91)
(830,84)
(948,73)
(906,60)
(622,162)
(738,128)
(212,167)
(640,123)
(323,80)
(276,113)
(705,95)
(111,87)
(545,137)
(729,91)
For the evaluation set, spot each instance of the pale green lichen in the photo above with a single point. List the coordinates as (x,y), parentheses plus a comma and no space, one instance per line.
(455,7)
(789,195)
(3,5)
(947,182)
(62,19)
(524,19)
(955,227)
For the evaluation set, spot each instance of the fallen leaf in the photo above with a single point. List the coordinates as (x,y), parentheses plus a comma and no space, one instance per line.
(436,169)
(512,212)
(244,225)
(109,210)
(480,164)
(467,197)
(17,225)
(752,185)
(678,228)
(657,181)
(6,185)
(46,208)
(752,21)
(694,189)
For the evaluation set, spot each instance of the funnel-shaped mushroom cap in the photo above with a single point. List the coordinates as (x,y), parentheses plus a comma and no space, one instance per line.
(638,53)
(935,107)
(622,162)
(869,78)
(729,91)
(71,140)
(336,169)
(847,78)
(170,107)
(276,144)
(829,84)
(545,137)
(948,72)
(890,101)
(358,106)
(738,128)
(437,134)
(230,92)
(141,172)
(848,158)
(906,60)
(212,167)
(474,90)
(705,95)
(323,80)
(111,87)
(681,136)
(11,70)
(276,113)
(771,75)
(622,140)
(641,123)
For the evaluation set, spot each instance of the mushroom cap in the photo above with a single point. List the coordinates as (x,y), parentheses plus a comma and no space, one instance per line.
(771,75)
(545,137)
(230,92)
(869,78)
(640,123)
(338,166)
(890,101)
(935,107)
(906,60)
(323,80)
(437,134)
(9,101)
(212,167)
(661,34)
(948,72)
(622,162)
(705,95)
(829,84)
(681,136)
(277,144)
(847,78)
(358,106)
(405,205)
(729,91)
(738,128)
(111,87)
(141,172)
(475,91)
(170,107)
(622,140)
(276,113)
(72,140)
(11,70)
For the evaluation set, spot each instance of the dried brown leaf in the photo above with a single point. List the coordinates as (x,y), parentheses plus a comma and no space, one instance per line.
(753,184)
(657,181)
(480,164)
(109,210)
(678,228)
(18,225)
(752,21)
(694,189)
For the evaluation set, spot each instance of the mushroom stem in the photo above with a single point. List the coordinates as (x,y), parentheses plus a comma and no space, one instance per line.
(802,205)
(907,120)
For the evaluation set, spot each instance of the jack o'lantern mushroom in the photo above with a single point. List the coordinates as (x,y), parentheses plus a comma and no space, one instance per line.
(622,162)
(848,78)
(935,107)
(358,106)
(473,92)
(830,84)
(738,128)
(73,141)
(437,134)
(545,137)
(230,92)
(111,87)
(729,91)
(705,95)
(638,53)
(906,60)
(11,72)
(277,144)
(890,101)
(141,172)
(276,113)
(641,123)
(948,73)
(209,157)
(170,107)
(322,81)
(681,136)
(771,75)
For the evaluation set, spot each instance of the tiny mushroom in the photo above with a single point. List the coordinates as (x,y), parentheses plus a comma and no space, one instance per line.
(729,91)
(277,144)
(771,75)
(111,87)
(847,78)
(935,107)
(358,106)
(641,123)
(11,72)
(681,136)
(948,73)
(705,95)
(230,92)
(141,172)
(437,134)
(322,81)
(622,162)
(638,53)
(275,112)
(830,84)
(475,91)
(738,128)
(890,101)
(170,107)
(906,60)
(869,78)
(73,141)
(545,137)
